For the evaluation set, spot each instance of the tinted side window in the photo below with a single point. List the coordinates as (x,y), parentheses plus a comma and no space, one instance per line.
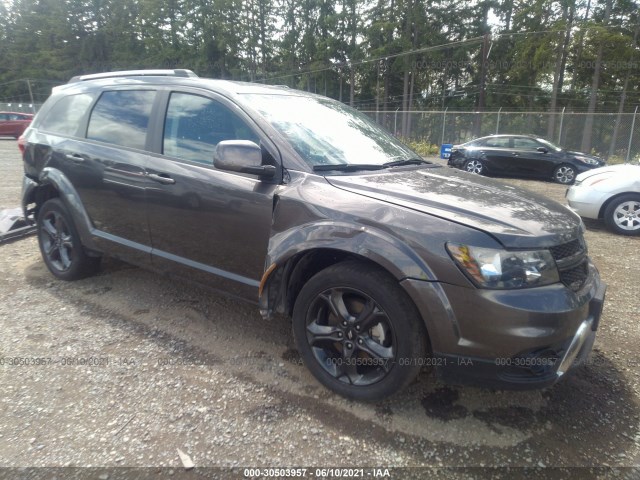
(194,125)
(525,144)
(122,117)
(4,117)
(65,115)
(497,143)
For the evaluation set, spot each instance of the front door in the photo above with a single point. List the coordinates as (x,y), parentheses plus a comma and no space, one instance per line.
(210,225)
(530,161)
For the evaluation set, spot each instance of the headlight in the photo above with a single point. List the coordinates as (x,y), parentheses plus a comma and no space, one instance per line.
(588,161)
(490,268)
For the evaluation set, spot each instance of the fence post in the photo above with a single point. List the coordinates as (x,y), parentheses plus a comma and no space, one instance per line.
(498,122)
(633,126)
(444,123)
(395,122)
(561,122)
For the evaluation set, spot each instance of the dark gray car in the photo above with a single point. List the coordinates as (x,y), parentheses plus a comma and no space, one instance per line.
(385,263)
(521,156)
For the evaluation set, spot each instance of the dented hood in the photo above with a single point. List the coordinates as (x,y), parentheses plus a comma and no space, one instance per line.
(517,218)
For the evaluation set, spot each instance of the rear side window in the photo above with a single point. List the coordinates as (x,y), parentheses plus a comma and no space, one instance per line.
(65,116)
(122,117)
(497,143)
(525,144)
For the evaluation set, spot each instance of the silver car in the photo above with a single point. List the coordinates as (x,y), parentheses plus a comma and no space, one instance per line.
(609,193)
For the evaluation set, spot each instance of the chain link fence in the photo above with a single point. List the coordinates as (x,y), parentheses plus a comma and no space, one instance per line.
(613,136)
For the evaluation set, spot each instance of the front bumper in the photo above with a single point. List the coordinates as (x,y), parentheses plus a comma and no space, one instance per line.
(456,160)
(518,339)
(585,201)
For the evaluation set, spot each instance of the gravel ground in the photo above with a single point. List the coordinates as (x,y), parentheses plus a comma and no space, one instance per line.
(127,367)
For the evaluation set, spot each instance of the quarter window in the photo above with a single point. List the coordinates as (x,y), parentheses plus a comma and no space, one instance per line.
(64,116)
(121,117)
(194,125)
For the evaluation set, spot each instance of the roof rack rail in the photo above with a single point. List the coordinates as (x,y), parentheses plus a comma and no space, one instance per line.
(179,72)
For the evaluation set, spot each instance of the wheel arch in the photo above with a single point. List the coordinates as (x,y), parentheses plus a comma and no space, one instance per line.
(609,200)
(52,183)
(293,260)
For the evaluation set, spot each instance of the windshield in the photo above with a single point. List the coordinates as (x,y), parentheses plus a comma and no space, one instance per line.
(549,145)
(326,132)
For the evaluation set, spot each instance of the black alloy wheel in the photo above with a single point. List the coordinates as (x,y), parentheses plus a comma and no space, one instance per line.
(60,244)
(358,332)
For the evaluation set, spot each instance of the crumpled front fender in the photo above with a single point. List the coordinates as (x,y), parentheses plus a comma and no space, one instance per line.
(378,247)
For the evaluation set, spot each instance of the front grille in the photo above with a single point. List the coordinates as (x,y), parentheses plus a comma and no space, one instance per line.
(566,250)
(572,264)
(575,277)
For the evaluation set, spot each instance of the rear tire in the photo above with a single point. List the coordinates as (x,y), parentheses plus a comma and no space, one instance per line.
(358,331)
(60,244)
(622,215)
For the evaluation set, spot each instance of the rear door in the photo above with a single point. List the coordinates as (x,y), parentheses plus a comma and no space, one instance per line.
(209,225)
(102,153)
(497,155)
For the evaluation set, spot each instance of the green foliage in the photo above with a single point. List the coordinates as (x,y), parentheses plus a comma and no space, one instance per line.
(422,147)
(347,49)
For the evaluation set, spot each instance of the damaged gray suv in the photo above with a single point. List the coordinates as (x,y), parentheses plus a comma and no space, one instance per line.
(385,263)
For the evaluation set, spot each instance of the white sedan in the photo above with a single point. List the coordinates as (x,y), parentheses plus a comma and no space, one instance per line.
(610,193)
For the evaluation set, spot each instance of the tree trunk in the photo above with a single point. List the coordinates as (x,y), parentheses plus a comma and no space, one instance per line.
(585,146)
(561,62)
(483,75)
(409,115)
(623,98)
(405,95)
(580,43)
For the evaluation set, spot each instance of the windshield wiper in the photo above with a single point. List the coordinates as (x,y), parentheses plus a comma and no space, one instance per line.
(348,167)
(406,161)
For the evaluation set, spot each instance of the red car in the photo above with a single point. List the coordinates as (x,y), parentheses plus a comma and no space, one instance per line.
(14,123)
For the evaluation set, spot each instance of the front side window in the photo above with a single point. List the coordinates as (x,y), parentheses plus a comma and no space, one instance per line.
(194,125)
(65,115)
(549,146)
(121,117)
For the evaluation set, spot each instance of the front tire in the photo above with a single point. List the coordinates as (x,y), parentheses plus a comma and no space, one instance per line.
(60,244)
(358,332)
(622,215)
(564,174)
(474,166)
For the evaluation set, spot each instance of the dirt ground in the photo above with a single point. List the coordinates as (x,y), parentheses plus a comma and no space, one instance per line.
(123,369)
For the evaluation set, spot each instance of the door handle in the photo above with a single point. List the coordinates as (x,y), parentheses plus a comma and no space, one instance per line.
(162,178)
(74,157)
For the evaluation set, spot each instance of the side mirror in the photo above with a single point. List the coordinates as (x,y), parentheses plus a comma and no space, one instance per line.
(242,156)
(542,150)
